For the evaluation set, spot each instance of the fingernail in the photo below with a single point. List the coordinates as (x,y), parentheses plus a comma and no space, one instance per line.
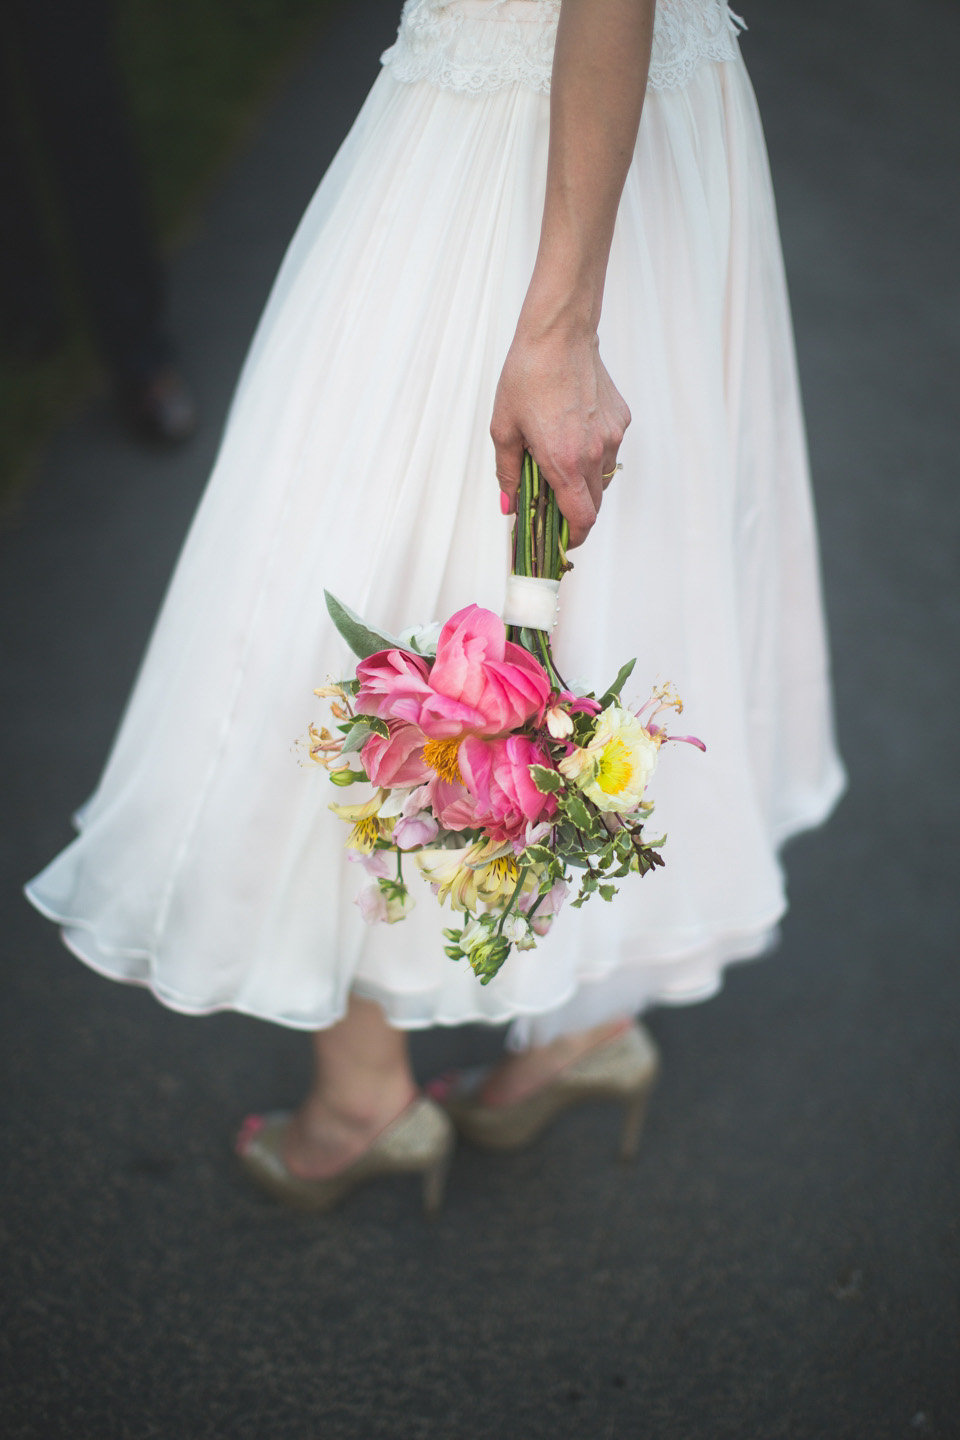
(504,503)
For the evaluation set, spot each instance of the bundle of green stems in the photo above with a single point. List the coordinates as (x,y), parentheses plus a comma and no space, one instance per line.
(540,540)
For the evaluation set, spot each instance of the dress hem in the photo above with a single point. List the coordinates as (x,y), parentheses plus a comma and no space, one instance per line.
(748,942)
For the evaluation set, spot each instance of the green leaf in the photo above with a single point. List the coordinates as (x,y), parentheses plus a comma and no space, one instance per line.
(359,731)
(577,812)
(623,675)
(608,891)
(362,638)
(548,782)
(538,855)
(356,737)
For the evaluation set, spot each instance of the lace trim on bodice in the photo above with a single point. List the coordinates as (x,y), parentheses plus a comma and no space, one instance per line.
(483,45)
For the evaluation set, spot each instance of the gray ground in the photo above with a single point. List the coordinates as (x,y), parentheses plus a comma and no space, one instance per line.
(783,1259)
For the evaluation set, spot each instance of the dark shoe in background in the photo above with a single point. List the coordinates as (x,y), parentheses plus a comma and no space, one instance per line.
(159,408)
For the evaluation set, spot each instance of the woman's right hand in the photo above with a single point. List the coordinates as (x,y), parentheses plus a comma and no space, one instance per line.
(556,399)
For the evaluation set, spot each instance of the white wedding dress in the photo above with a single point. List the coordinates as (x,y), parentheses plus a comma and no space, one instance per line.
(357,459)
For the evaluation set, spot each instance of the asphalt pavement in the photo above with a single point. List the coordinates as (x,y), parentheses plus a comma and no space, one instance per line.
(782,1261)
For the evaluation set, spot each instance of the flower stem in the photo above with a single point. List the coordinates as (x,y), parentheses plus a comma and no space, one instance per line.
(509,906)
(540,540)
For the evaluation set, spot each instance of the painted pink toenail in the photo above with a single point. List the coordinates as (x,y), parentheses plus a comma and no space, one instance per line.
(440,1087)
(251,1125)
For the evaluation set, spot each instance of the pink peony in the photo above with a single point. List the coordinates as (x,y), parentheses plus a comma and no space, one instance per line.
(453,805)
(479,684)
(497,774)
(396,759)
(390,677)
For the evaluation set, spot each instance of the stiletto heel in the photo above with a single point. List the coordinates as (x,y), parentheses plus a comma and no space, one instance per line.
(420,1141)
(435,1184)
(634,1114)
(622,1068)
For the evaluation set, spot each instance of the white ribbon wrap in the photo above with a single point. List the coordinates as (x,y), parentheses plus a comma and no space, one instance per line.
(531,602)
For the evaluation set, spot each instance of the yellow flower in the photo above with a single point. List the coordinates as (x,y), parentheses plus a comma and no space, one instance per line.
(367,827)
(614,769)
(453,877)
(322,746)
(480,873)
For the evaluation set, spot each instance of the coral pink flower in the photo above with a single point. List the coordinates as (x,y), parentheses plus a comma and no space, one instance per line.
(396,759)
(389,678)
(497,774)
(453,805)
(479,684)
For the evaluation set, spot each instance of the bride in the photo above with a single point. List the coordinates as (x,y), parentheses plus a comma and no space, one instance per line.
(501,248)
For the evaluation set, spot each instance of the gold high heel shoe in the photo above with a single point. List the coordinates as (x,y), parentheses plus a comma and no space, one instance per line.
(419,1141)
(622,1068)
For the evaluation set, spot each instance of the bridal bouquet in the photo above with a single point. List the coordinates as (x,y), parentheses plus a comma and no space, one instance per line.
(505,787)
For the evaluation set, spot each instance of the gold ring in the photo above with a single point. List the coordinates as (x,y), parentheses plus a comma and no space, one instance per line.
(618,466)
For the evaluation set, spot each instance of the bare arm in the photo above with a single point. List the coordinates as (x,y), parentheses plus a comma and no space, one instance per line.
(555,397)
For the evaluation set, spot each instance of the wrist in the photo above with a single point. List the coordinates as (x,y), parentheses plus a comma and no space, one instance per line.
(565,291)
(567,313)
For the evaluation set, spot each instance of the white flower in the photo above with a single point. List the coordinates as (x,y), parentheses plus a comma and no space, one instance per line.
(517,929)
(394,803)
(559,723)
(614,769)
(399,904)
(472,934)
(384,903)
(422,638)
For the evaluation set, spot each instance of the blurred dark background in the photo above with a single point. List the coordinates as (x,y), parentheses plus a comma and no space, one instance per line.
(115,118)
(783,1259)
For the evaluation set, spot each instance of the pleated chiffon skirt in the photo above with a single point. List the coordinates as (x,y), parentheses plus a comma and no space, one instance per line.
(357,459)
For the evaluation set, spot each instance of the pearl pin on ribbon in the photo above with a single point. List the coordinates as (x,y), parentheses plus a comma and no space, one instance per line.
(531,603)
